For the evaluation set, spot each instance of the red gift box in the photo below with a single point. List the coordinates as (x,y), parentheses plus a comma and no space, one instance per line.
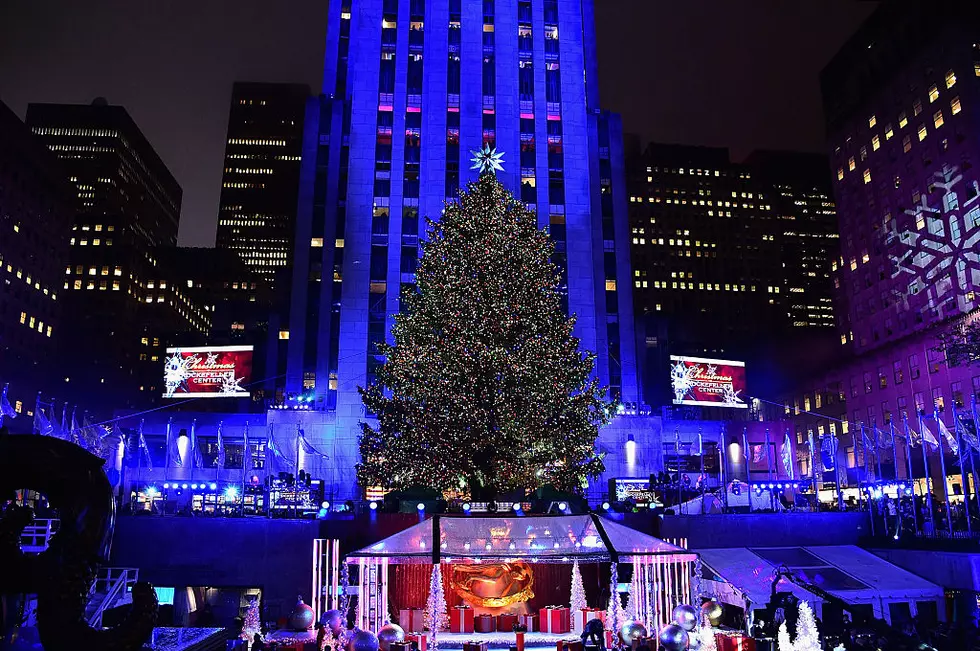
(474,646)
(461,620)
(420,640)
(410,619)
(555,620)
(586,615)
(506,622)
(528,621)
(484,624)
(609,639)
(734,642)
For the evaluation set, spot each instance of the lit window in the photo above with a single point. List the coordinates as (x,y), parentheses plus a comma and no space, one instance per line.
(950,79)
(23,317)
(933,94)
(850,164)
(48,333)
(937,119)
(117,271)
(840,177)
(872,121)
(954,105)
(316,242)
(610,285)
(115,285)
(875,143)
(902,120)
(867,176)
(284,334)
(922,132)
(907,144)
(889,132)
(78,284)
(976,69)
(916,107)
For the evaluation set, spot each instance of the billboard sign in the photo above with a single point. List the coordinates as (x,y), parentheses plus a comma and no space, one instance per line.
(706,382)
(208,372)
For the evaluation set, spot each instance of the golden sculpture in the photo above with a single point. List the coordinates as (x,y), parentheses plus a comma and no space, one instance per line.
(493,586)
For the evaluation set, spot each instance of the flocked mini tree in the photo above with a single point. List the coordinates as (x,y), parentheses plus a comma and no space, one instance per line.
(435,618)
(578,601)
(253,623)
(807,635)
(483,386)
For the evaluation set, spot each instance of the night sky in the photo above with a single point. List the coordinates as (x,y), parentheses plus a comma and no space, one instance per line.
(736,73)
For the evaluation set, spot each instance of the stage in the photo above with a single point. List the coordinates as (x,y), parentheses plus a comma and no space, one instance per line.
(505,640)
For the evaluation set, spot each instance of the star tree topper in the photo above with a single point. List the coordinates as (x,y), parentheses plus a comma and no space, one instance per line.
(487,160)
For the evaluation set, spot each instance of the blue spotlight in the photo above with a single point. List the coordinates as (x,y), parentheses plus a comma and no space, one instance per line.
(420,506)
(517,507)
(563,506)
(231,492)
(466,507)
(373,506)
(606,506)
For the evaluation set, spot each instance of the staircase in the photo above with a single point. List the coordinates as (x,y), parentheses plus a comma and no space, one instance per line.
(34,539)
(112,587)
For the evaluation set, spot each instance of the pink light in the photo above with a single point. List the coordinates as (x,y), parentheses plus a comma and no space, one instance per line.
(527,116)
(414,109)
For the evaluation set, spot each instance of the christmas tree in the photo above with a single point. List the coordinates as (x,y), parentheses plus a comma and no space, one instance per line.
(807,636)
(253,625)
(706,633)
(783,642)
(483,386)
(578,602)
(435,617)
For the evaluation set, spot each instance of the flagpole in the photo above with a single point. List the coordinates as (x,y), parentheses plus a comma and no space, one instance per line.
(973,469)
(942,465)
(813,471)
(139,462)
(874,428)
(964,477)
(701,457)
(891,432)
(925,464)
(835,448)
(864,457)
(193,446)
(299,433)
(748,471)
(908,464)
(37,410)
(245,459)
(3,402)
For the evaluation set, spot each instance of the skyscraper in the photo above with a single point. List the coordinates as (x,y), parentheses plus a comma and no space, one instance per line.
(128,205)
(257,212)
(414,88)
(37,206)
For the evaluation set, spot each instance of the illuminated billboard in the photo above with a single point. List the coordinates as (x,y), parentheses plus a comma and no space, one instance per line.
(707,382)
(208,372)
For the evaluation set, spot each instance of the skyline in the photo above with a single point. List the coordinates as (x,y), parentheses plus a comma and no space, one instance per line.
(712,89)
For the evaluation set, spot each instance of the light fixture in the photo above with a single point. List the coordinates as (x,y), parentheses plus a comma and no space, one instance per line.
(606,506)
(231,492)
(325,505)
(183,485)
(213,486)
(420,506)
(466,507)
(489,546)
(194,487)
(563,506)
(373,506)
(516,506)
(466,546)
(166,485)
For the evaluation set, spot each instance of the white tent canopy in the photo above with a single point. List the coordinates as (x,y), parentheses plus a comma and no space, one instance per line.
(536,539)
(845,571)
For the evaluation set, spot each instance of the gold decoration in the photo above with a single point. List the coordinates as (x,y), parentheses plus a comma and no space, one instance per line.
(493,586)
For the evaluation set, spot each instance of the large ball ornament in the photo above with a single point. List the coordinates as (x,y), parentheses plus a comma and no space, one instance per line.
(333,620)
(673,638)
(713,611)
(363,641)
(631,631)
(390,633)
(302,617)
(686,617)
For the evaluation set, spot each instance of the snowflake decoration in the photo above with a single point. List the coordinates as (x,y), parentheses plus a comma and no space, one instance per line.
(177,371)
(681,379)
(231,384)
(212,359)
(941,256)
(712,369)
(730,397)
(487,160)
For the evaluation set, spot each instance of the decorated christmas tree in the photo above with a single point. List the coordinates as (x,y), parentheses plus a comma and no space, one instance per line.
(253,624)
(807,636)
(483,385)
(435,618)
(578,601)
(783,643)
(706,633)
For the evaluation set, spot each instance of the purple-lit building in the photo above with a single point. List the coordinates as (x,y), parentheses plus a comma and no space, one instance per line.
(902,102)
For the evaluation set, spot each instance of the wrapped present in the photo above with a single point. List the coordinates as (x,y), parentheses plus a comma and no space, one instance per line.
(420,641)
(528,621)
(585,615)
(484,624)
(506,622)
(474,646)
(555,620)
(609,639)
(570,645)
(520,641)
(461,620)
(734,642)
(410,619)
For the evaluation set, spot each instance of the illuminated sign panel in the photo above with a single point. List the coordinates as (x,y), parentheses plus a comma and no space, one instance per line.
(707,382)
(208,372)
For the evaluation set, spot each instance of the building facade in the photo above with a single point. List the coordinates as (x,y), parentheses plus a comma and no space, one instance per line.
(901,101)
(257,210)
(128,205)
(37,207)
(414,87)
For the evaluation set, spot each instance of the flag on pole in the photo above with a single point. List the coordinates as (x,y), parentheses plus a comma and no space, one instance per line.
(6,411)
(700,443)
(246,454)
(173,452)
(144,449)
(946,434)
(220,461)
(928,436)
(828,452)
(197,461)
(787,455)
(73,434)
(42,425)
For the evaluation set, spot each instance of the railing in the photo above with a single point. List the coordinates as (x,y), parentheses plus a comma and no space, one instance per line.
(36,536)
(111,585)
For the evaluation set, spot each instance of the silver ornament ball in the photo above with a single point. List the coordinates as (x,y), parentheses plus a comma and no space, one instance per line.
(685,616)
(390,633)
(713,611)
(673,638)
(631,631)
(363,641)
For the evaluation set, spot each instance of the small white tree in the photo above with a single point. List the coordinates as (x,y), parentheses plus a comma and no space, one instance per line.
(435,617)
(707,635)
(783,642)
(807,635)
(578,591)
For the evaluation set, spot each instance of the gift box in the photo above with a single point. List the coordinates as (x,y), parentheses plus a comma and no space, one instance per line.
(570,645)
(461,620)
(528,621)
(506,622)
(734,642)
(586,615)
(410,619)
(555,620)
(609,639)
(474,646)
(484,624)
(419,641)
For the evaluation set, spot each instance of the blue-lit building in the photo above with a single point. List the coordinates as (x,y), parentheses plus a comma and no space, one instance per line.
(411,87)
